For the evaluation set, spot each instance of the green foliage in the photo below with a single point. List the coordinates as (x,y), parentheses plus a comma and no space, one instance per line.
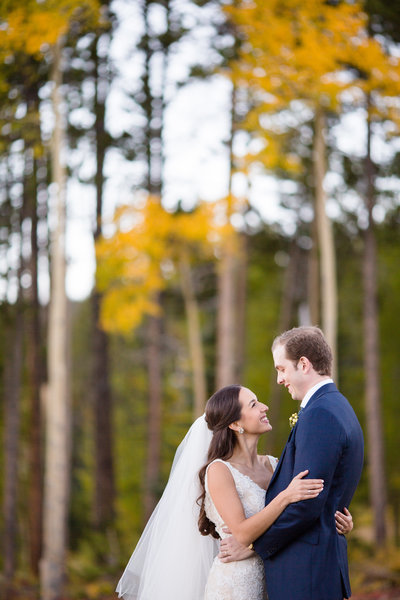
(143,259)
(371,569)
(265,280)
(384,17)
(389,310)
(80,521)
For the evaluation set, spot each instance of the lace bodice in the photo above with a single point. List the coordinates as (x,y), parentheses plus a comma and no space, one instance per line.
(251,495)
(242,580)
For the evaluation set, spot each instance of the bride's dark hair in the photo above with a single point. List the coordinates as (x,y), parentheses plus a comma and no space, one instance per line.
(222,409)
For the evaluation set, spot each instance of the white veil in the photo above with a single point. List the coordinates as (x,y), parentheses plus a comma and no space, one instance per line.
(172,559)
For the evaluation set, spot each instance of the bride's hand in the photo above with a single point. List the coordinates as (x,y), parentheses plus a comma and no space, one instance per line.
(303,489)
(344,521)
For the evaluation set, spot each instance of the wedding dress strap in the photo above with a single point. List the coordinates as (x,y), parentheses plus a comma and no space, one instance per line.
(273,461)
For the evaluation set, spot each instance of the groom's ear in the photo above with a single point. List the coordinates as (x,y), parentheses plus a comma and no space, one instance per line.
(304,364)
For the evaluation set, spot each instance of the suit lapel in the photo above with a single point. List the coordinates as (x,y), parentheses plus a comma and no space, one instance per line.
(329,387)
(278,466)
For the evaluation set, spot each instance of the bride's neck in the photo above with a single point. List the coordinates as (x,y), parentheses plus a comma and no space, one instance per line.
(246,451)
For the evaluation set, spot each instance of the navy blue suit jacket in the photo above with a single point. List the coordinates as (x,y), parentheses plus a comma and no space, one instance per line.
(304,557)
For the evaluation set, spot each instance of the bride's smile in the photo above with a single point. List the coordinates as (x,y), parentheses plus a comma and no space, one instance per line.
(252,415)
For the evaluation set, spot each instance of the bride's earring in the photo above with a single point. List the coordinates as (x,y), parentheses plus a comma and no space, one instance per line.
(241,430)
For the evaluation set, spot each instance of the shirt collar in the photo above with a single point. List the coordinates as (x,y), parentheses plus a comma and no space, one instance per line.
(313,390)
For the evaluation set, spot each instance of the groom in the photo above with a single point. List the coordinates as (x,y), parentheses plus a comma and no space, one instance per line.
(304,556)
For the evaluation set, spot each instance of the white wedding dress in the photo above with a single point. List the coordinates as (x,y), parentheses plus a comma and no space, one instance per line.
(172,561)
(244,579)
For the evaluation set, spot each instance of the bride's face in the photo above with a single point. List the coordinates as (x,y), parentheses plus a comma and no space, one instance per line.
(254,413)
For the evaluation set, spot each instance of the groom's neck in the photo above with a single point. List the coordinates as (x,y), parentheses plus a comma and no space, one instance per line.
(314,381)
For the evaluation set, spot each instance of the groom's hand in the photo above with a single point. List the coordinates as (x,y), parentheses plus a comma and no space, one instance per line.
(231,550)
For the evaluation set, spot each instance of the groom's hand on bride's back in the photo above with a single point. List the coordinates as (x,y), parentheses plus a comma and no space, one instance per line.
(231,550)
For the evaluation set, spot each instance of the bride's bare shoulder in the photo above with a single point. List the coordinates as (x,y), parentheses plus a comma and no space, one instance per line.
(268,461)
(219,474)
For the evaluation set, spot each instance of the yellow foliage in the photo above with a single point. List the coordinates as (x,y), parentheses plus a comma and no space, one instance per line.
(301,50)
(32,26)
(296,43)
(131,263)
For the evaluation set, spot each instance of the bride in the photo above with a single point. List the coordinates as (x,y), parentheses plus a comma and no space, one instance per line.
(216,486)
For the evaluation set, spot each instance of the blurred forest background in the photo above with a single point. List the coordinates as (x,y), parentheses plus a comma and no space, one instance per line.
(191,287)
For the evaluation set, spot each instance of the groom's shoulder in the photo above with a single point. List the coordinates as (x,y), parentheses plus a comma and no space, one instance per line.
(334,402)
(328,397)
(329,393)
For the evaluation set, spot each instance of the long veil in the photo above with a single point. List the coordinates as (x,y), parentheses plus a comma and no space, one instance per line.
(172,559)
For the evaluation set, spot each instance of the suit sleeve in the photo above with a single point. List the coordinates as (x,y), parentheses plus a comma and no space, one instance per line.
(319,443)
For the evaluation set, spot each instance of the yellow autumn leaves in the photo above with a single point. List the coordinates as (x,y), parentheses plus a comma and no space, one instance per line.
(143,254)
(310,52)
(32,27)
(291,52)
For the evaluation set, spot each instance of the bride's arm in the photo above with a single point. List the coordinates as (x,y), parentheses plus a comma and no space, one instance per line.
(227,502)
(231,550)
(343,521)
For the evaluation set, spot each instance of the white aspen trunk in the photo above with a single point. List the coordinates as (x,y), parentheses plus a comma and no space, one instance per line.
(57,412)
(326,241)
(194,338)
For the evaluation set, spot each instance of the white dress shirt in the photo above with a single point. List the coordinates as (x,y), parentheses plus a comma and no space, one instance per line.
(312,391)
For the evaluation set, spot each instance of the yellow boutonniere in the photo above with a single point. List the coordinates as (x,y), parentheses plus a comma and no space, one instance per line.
(293,420)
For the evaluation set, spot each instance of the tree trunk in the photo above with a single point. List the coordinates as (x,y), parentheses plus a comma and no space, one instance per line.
(154,414)
(227,286)
(241,305)
(313,288)
(36,378)
(325,240)
(104,463)
(376,461)
(226,327)
(153,104)
(194,338)
(58,411)
(102,398)
(290,287)
(12,389)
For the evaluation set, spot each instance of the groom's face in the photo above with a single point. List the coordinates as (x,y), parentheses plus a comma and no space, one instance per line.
(289,374)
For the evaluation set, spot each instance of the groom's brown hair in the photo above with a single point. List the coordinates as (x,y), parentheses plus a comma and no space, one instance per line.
(308,342)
